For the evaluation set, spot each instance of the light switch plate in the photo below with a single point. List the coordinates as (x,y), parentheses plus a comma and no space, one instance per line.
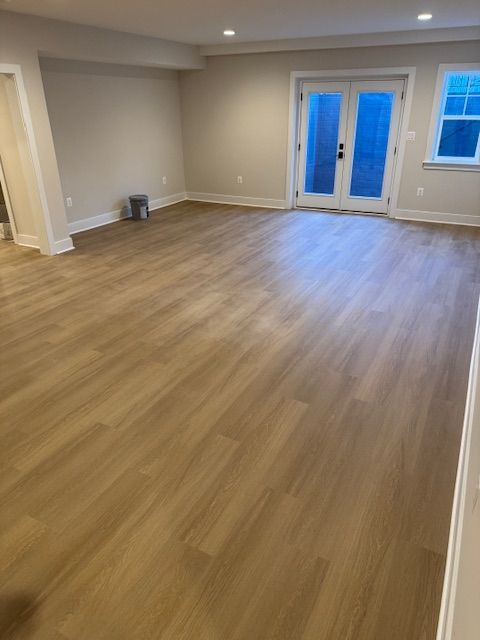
(411,136)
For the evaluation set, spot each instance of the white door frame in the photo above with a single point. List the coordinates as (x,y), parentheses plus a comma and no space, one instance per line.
(386,73)
(8,203)
(43,225)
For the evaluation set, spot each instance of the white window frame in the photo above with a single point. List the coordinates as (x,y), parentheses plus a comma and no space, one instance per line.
(432,161)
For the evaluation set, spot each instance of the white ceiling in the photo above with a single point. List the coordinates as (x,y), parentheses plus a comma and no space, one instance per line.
(202,23)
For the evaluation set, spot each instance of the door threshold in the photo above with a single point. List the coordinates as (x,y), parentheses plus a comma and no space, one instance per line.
(343,211)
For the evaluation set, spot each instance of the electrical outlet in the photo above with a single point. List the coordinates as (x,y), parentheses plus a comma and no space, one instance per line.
(69,202)
(411,136)
(420,191)
(164,179)
(239,179)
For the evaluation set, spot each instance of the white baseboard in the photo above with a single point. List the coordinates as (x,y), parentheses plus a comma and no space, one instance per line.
(464,538)
(97,221)
(432,216)
(61,246)
(119,214)
(166,201)
(27,241)
(246,201)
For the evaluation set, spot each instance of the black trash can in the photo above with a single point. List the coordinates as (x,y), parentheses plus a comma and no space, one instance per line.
(139,207)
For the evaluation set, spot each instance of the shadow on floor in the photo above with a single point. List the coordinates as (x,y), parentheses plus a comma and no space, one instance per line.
(18,613)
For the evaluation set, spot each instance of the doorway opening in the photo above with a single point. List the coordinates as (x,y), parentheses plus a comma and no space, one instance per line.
(348,141)
(20,178)
(347,138)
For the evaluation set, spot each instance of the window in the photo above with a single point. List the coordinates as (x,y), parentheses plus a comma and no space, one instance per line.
(456,135)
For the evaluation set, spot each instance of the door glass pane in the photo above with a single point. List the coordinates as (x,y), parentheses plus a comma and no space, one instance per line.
(459,138)
(374,111)
(322,142)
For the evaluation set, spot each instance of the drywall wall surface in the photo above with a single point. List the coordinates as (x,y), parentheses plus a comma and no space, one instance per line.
(58,39)
(117,131)
(235,117)
(23,38)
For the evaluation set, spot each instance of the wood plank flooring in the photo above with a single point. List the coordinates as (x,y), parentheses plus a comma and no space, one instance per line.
(232,424)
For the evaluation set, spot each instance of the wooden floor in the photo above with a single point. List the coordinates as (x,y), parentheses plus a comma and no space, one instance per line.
(233,424)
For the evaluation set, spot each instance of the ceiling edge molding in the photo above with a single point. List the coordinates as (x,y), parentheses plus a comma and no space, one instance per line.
(417,36)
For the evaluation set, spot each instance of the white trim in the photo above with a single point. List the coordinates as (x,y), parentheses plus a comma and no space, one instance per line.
(446,166)
(43,222)
(414,36)
(459,511)
(27,241)
(245,201)
(61,246)
(433,216)
(297,77)
(166,201)
(8,204)
(435,114)
(119,214)
(97,221)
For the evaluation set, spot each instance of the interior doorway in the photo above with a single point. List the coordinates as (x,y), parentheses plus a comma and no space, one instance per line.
(348,140)
(22,175)
(17,173)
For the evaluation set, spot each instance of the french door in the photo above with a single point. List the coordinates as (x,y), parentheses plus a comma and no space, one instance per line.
(348,137)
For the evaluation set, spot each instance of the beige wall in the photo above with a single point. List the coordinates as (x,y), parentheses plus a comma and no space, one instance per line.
(16,162)
(234,113)
(235,121)
(116,130)
(22,38)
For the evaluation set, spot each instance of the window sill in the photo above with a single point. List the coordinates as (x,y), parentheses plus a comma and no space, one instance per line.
(450,166)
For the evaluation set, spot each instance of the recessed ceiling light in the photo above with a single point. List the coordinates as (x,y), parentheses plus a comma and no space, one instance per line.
(229,32)
(425,16)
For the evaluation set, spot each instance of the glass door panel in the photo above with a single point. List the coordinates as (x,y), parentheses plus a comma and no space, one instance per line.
(322,142)
(371,141)
(373,122)
(323,128)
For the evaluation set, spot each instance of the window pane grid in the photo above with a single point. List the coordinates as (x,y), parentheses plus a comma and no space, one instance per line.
(458,137)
